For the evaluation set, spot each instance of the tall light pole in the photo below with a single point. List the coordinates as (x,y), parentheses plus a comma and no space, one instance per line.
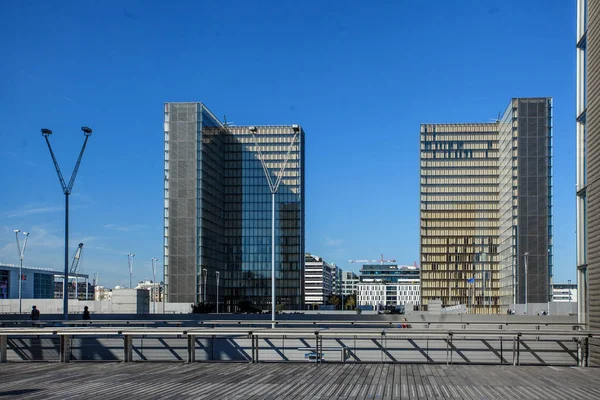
(21,256)
(569,290)
(525,257)
(205,276)
(67,191)
(274,186)
(153,291)
(218,273)
(130,259)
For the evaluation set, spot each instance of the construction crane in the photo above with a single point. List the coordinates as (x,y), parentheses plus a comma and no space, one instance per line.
(373,261)
(74,266)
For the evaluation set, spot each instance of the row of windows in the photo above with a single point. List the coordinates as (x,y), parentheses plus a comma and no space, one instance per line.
(458,224)
(459,172)
(491,163)
(460,198)
(458,190)
(458,154)
(462,240)
(456,214)
(457,145)
(460,180)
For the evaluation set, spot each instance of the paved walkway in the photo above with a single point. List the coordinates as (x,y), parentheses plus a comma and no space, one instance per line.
(293,381)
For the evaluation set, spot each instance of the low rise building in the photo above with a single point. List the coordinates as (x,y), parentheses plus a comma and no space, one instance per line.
(381,294)
(318,280)
(349,283)
(36,282)
(564,292)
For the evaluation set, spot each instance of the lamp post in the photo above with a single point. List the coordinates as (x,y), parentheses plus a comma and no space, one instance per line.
(130,259)
(67,191)
(218,273)
(525,258)
(204,290)
(21,256)
(153,289)
(274,187)
(569,287)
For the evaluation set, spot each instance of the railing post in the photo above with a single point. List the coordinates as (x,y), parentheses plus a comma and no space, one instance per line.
(3,346)
(519,349)
(128,348)
(191,348)
(515,350)
(65,350)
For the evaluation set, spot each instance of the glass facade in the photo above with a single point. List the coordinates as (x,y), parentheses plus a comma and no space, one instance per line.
(582,162)
(218,210)
(486,200)
(388,272)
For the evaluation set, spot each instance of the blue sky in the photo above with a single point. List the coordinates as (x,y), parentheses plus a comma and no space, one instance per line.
(360,77)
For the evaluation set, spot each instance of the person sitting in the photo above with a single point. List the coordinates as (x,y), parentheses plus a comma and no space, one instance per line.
(86,313)
(404,324)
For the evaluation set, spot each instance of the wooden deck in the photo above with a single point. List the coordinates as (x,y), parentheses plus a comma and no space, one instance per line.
(293,381)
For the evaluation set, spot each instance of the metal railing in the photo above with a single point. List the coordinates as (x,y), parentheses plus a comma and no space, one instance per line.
(388,345)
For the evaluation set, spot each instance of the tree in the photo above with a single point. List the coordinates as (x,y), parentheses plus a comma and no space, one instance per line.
(334,300)
(350,302)
(202,308)
(279,308)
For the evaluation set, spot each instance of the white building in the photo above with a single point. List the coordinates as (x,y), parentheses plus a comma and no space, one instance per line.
(379,294)
(564,292)
(154,288)
(349,283)
(318,280)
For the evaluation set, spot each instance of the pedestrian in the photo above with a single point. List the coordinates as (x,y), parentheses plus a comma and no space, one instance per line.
(35,314)
(86,313)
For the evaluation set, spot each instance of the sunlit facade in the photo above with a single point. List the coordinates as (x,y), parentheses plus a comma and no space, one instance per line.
(486,202)
(459,214)
(218,210)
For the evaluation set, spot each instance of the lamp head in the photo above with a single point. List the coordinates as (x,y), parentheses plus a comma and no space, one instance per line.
(46,132)
(296,128)
(252,129)
(26,233)
(17,231)
(87,131)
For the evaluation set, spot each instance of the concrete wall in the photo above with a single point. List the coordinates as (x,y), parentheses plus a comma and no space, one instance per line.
(125,301)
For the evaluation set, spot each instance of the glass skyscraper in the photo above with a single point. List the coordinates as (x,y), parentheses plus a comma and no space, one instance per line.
(486,202)
(218,210)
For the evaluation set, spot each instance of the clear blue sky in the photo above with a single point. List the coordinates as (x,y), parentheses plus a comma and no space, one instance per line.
(360,77)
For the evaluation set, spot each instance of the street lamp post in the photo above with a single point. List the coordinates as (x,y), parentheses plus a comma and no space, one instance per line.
(218,273)
(67,191)
(274,187)
(21,256)
(204,290)
(525,258)
(569,287)
(130,259)
(153,289)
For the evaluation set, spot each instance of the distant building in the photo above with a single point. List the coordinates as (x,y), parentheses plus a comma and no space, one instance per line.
(381,294)
(384,284)
(349,283)
(564,292)
(37,282)
(218,185)
(102,293)
(389,272)
(336,287)
(319,279)
(155,289)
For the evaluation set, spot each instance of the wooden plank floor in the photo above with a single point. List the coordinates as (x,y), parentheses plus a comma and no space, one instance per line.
(294,381)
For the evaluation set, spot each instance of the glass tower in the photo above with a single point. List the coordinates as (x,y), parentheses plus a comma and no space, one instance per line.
(218,182)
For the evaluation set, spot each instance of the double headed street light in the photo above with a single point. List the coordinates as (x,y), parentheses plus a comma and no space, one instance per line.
(67,191)
(130,257)
(21,256)
(153,289)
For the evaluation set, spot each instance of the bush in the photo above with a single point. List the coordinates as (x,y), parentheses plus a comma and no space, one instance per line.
(202,308)
(358,311)
(247,307)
